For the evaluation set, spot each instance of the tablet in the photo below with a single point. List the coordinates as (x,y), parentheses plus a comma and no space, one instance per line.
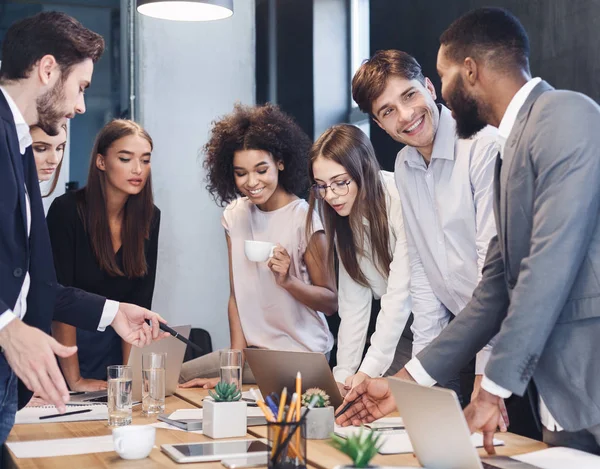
(209,451)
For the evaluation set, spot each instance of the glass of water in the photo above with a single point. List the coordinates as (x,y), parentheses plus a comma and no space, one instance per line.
(153,383)
(231,367)
(119,395)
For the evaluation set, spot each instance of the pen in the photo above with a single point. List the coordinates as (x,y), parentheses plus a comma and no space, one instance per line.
(345,408)
(44,417)
(271,405)
(174,333)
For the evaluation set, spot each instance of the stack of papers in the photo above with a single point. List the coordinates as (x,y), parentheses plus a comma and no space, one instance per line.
(33,414)
(397,441)
(560,458)
(255,415)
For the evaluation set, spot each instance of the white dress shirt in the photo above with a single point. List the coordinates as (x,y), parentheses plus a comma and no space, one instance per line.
(110,307)
(354,300)
(414,367)
(449,221)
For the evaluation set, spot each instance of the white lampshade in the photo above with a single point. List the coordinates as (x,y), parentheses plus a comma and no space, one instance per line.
(186,10)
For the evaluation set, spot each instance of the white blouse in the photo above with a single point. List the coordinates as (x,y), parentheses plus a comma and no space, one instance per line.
(354,300)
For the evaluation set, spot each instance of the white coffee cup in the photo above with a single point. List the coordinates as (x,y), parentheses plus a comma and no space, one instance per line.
(258,251)
(134,441)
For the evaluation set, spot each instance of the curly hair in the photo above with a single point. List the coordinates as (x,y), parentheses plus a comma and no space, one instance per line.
(264,128)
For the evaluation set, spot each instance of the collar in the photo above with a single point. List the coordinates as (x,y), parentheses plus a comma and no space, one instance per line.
(443,141)
(23,134)
(510,115)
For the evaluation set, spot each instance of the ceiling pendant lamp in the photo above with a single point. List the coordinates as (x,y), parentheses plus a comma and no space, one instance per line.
(186,10)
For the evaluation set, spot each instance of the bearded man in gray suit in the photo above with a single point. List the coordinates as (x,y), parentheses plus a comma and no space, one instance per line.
(540,290)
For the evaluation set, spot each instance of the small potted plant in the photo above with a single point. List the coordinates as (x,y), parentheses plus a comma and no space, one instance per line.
(225,415)
(320,420)
(360,447)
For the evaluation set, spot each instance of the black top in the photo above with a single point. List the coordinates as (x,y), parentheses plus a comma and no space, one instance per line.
(76,265)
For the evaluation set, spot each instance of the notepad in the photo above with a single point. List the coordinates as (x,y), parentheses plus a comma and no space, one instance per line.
(560,458)
(33,414)
(61,447)
(397,441)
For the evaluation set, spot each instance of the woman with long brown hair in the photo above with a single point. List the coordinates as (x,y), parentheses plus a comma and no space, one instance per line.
(48,152)
(105,241)
(361,211)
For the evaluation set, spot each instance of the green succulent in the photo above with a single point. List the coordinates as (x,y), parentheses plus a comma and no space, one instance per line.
(323,398)
(225,392)
(360,447)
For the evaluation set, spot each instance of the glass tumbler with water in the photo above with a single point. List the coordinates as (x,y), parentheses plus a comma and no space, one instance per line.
(231,367)
(119,395)
(153,383)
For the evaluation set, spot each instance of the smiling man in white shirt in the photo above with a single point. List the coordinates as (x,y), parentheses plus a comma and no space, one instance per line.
(48,60)
(445,185)
(540,293)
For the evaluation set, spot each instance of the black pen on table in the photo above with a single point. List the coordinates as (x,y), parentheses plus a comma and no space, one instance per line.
(44,417)
(346,407)
(174,333)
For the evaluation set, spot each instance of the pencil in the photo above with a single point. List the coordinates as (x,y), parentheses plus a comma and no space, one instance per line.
(298,404)
(346,407)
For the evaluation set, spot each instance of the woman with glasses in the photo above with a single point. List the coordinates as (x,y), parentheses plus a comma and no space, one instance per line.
(360,208)
(256,160)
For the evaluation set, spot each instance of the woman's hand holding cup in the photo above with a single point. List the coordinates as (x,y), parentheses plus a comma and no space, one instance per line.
(279,263)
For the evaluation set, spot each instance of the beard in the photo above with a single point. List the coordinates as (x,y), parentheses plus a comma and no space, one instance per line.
(467,112)
(49,113)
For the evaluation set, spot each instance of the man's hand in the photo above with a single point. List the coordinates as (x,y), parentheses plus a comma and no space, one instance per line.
(130,324)
(354,380)
(476,386)
(503,421)
(86,385)
(373,400)
(206,383)
(30,354)
(485,413)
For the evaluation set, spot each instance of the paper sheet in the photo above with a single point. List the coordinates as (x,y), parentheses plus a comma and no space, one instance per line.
(62,447)
(252,412)
(33,414)
(397,441)
(560,458)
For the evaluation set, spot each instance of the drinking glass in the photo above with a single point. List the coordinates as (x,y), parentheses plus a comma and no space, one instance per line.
(119,395)
(153,383)
(231,367)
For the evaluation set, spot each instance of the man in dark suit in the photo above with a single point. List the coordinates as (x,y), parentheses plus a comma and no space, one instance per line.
(540,291)
(47,63)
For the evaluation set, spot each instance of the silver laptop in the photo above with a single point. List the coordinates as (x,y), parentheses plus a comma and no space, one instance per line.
(175,350)
(276,369)
(438,431)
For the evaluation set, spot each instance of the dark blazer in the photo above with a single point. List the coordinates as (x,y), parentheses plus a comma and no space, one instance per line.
(47,300)
(540,291)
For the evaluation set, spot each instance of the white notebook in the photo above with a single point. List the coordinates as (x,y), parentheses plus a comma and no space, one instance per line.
(33,414)
(397,441)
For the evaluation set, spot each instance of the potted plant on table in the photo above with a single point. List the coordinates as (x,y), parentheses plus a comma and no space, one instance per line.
(360,447)
(320,421)
(225,415)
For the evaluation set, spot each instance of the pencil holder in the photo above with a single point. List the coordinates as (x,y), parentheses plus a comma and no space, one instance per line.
(287,443)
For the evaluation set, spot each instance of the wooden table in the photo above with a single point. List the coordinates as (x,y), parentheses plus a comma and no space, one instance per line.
(323,456)
(49,431)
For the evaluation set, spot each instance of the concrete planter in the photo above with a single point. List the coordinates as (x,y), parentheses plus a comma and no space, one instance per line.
(320,423)
(224,419)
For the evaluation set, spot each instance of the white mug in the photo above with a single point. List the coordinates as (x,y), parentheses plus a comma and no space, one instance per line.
(258,251)
(134,441)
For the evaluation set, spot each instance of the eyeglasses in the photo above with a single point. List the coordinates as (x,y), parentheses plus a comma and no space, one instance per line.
(338,188)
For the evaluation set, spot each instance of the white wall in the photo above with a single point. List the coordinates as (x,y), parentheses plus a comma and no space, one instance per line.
(189,75)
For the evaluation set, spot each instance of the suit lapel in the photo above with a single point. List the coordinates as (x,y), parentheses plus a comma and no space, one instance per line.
(511,146)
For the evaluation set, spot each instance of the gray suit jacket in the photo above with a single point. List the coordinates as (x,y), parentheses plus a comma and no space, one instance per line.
(540,291)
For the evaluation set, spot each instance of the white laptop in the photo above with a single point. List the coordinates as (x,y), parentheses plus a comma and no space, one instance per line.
(175,350)
(438,431)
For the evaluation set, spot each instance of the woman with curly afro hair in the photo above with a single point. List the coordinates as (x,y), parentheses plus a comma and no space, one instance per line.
(256,163)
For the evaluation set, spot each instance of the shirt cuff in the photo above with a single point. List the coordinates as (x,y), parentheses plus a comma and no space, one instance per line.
(483,357)
(6,317)
(340,374)
(418,373)
(371,367)
(494,389)
(108,314)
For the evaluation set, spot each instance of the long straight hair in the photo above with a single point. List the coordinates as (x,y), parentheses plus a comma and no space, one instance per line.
(137,213)
(348,146)
(58,168)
